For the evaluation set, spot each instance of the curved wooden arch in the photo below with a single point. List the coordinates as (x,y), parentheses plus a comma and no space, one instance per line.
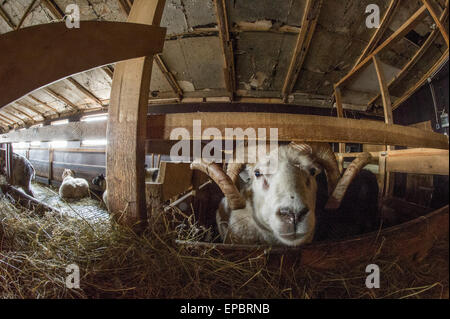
(37,56)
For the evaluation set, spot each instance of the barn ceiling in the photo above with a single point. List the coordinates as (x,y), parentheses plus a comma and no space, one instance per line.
(263,37)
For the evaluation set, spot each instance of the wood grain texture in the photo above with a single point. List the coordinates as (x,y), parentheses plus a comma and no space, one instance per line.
(127,124)
(51,52)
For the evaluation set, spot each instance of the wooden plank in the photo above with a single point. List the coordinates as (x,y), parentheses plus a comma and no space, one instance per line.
(294,127)
(291,127)
(50,52)
(434,163)
(127,123)
(308,26)
(22,112)
(74,131)
(227,46)
(401,32)
(437,20)
(376,37)
(387,105)
(5,118)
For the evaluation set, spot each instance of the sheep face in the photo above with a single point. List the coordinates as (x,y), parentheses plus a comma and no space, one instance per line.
(284,197)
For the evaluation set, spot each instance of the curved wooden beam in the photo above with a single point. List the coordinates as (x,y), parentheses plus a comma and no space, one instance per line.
(37,56)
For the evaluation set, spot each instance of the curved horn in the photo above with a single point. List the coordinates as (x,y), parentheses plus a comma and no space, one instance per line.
(334,202)
(225,183)
(324,156)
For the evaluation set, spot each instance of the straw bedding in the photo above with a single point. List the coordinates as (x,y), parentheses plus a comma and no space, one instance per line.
(116,263)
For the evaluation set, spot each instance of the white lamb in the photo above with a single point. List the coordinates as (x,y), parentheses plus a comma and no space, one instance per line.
(71,187)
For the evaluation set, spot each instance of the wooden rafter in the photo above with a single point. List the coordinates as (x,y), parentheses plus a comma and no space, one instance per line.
(85,91)
(61,98)
(169,76)
(424,78)
(416,57)
(30,108)
(7,119)
(387,104)
(53,8)
(291,127)
(124,6)
(308,26)
(227,47)
(43,104)
(394,4)
(25,15)
(401,32)
(22,112)
(7,18)
(14,116)
(437,20)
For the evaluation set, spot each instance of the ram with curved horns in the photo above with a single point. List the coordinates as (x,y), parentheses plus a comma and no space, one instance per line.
(295,203)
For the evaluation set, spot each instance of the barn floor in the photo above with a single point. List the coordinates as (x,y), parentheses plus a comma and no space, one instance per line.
(87,208)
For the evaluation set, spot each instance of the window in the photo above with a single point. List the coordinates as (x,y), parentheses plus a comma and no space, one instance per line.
(35,143)
(58,144)
(20,145)
(60,122)
(95,118)
(93,142)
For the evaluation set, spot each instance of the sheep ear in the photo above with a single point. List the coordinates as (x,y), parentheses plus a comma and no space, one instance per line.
(314,170)
(245,175)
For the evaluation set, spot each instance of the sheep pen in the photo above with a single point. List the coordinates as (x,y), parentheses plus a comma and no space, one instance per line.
(116,263)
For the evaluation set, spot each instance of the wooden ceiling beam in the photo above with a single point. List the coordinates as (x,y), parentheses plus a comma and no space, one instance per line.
(25,15)
(387,104)
(169,76)
(43,104)
(424,78)
(376,37)
(401,32)
(416,57)
(124,6)
(61,98)
(308,26)
(54,9)
(14,116)
(7,119)
(227,47)
(23,113)
(30,108)
(291,127)
(85,91)
(7,18)
(437,20)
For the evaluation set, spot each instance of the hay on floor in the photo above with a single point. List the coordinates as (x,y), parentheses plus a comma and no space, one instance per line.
(116,263)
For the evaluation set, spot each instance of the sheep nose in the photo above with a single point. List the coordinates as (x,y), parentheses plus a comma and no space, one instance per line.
(289,215)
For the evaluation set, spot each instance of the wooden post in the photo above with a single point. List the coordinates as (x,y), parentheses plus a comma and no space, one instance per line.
(127,126)
(9,163)
(387,104)
(50,164)
(340,114)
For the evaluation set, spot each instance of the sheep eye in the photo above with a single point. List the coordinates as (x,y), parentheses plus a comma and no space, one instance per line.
(312,171)
(257,173)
